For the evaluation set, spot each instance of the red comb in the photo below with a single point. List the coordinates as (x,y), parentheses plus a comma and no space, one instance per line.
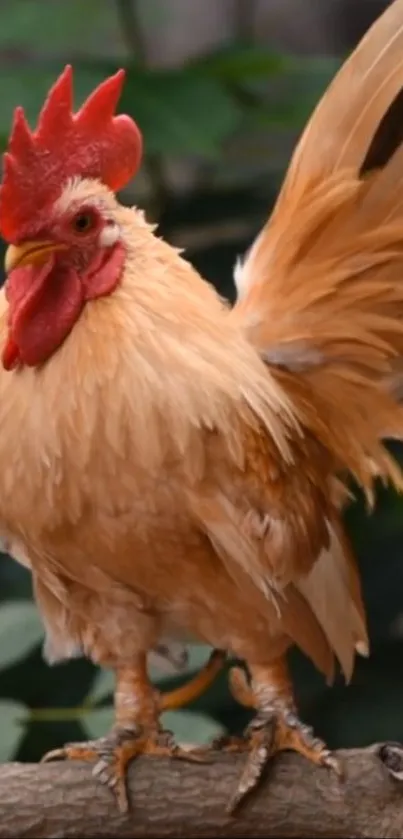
(91,143)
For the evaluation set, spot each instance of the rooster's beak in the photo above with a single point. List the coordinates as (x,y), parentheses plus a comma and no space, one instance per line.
(29,253)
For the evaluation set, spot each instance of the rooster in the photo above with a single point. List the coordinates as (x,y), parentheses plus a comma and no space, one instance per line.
(172,468)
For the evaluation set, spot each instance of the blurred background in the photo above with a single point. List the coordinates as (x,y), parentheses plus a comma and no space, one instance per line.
(221,90)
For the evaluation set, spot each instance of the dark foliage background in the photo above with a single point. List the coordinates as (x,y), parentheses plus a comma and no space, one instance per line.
(218,128)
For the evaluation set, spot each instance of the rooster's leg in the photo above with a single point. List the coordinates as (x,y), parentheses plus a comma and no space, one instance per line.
(137,730)
(276,726)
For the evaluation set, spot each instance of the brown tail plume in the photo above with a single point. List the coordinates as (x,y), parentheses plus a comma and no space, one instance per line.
(320,293)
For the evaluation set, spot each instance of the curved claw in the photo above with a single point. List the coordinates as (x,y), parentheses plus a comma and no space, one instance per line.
(112,755)
(269,734)
(73,751)
(111,771)
(334,764)
(260,753)
(54,754)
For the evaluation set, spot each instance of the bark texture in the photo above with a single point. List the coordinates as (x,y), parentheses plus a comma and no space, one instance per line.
(176,799)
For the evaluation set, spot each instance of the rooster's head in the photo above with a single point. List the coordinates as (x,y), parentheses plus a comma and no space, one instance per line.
(57,214)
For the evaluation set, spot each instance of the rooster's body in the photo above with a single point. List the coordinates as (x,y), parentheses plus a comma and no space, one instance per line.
(174,469)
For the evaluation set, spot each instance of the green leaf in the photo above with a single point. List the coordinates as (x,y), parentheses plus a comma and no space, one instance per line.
(47,26)
(291,100)
(191,727)
(186,726)
(236,63)
(20,630)
(102,686)
(97,723)
(11,730)
(308,79)
(180,112)
(198,655)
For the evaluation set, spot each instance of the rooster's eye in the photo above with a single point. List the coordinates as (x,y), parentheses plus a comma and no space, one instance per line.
(84,221)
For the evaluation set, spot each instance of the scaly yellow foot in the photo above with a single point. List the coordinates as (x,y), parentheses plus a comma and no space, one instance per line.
(130,738)
(275,728)
(113,753)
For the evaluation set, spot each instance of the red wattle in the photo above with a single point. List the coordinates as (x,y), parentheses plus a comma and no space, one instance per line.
(44,304)
(11,354)
(46,301)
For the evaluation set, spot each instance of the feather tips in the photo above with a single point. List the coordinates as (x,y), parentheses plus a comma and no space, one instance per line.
(322,282)
(344,122)
(320,296)
(333,592)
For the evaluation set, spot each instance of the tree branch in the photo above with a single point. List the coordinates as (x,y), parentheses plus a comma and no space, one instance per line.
(171,799)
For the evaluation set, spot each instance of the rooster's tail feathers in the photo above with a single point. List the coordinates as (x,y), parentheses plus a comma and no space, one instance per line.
(320,294)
